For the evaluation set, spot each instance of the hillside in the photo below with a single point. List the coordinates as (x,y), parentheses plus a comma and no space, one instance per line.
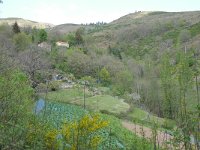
(140,32)
(147,30)
(25,23)
(130,84)
(65,28)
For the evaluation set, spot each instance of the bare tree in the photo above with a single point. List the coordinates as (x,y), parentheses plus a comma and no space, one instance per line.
(34,62)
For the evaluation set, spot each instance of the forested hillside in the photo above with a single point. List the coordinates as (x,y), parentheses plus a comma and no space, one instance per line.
(119,85)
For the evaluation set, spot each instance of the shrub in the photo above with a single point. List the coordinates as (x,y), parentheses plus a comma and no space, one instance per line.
(78,134)
(54,85)
(22,41)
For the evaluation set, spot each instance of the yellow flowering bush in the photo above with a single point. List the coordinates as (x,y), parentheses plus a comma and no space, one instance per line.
(51,139)
(82,134)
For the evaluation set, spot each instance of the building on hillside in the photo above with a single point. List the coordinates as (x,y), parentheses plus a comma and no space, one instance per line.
(62,44)
(45,46)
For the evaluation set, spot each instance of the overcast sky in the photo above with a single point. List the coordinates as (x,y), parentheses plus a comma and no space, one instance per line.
(87,11)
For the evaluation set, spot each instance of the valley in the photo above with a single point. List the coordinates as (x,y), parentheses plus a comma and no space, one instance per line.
(129,84)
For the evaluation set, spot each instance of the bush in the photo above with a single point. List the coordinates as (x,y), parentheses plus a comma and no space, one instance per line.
(54,85)
(22,41)
(15,105)
(104,76)
(82,134)
(122,83)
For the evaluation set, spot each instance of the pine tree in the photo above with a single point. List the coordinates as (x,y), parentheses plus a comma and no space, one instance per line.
(15,28)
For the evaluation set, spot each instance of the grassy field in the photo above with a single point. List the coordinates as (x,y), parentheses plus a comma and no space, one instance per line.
(141,116)
(138,113)
(97,103)
(107,102)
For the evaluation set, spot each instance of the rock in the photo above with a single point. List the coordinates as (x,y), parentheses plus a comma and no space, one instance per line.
(66,86)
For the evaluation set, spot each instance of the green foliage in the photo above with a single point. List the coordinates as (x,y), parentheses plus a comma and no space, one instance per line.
(104,76)
(172,35)
(184,36)
(5,32)
(75,38)
(183,71)
(36,130)
(82,134)
(58,60)
(21,41)
(69,119)
(15,105)
(82,66)
(79,36)
(56,113)
(42,35)
(115,51)
(15,28)
(122,83)
(35,35)
(194,29)
(70,38)
(129,140)
(168,84)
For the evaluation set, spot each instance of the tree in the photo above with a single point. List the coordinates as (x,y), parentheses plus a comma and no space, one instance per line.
(122,82)
(16,28)
(34,64)
(71,39)
(104,76)
(22,41)
(81,67)
(15,106)
(115,51)
(184,75)
(42,35)
(79,36)
(168,88)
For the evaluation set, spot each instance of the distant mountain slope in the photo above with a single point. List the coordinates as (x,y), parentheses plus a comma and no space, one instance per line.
(65,28)
(25,23)
(141,32)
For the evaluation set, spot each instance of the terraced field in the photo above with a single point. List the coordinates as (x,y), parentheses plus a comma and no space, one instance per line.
(96,103)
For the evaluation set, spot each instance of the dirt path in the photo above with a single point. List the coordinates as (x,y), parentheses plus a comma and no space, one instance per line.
(141,131)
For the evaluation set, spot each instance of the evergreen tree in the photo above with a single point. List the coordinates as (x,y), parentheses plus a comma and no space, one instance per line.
(15,28)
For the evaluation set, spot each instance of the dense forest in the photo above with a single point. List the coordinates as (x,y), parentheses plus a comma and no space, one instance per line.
(129,84)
